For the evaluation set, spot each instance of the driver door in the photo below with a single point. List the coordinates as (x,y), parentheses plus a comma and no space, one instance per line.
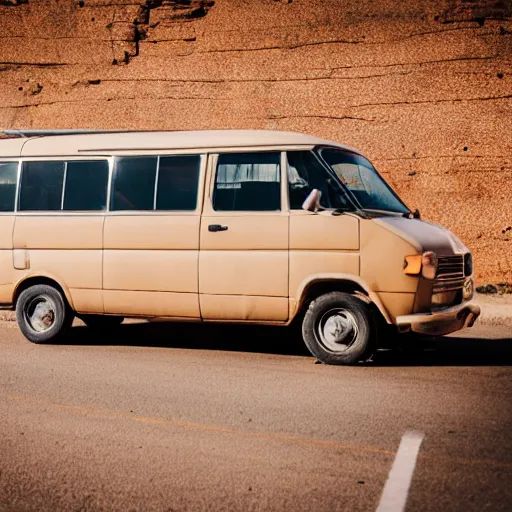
(322,245)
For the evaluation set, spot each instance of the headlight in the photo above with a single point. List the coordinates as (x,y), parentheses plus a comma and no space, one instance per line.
(468,264)
(425,263)
(429,265)
(468,290)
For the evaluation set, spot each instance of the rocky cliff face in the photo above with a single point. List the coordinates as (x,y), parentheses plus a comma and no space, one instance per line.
(423,88)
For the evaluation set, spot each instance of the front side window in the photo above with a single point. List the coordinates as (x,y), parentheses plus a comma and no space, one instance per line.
(247,182)
(41,186)
(360,177)
(178,180)
(133,183)
(86,185)
(305,173)
(8,179)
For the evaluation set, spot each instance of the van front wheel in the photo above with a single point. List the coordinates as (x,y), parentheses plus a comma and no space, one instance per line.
(338,329)
(43,314)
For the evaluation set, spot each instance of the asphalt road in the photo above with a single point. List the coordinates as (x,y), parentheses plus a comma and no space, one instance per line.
(208,418)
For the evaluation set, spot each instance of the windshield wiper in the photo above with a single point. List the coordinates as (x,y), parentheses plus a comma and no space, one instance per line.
(339,211)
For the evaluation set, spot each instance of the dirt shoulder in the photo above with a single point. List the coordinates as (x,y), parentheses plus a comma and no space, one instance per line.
(7,316)
(496,309)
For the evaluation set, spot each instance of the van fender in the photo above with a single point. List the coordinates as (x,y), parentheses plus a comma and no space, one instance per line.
(43,276)
(339,278)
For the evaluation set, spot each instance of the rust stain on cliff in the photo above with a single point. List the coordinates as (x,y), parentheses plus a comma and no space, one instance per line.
(127,31)
(477,11)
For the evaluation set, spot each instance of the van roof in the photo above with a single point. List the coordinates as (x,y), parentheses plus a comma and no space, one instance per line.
(73,142)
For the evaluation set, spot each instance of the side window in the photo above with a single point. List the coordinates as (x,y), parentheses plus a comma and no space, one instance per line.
(86,185)
(41,186)
(247,182)
(8,179)
(133,183)
(305,173)
(178,179)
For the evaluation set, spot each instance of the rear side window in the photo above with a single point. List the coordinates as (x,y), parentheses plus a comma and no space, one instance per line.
(133,184)
(247,182)
(41,186)
(86,185)
(178,179)
(8,179)
(70,186)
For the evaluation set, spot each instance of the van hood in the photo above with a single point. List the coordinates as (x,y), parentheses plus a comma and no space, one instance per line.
(424,236)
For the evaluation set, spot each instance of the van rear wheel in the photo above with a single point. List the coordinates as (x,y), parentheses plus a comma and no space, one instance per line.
(43,314)
(338,329)
(102,322)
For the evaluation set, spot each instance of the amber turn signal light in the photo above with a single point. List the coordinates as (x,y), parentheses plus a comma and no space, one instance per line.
(424,264)
(412,265)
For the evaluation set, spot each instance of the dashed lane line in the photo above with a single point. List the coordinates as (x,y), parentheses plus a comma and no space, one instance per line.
(396,489)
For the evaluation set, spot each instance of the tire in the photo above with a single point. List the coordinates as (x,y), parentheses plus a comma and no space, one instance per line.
(101,322)
(338,328)
(43,314)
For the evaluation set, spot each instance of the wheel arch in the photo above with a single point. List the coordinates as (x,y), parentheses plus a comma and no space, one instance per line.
(317,285)
(34,279)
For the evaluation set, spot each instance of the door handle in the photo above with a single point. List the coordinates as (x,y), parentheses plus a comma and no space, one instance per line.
(217,227)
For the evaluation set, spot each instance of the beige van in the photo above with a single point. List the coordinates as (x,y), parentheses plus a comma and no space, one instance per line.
(256,227)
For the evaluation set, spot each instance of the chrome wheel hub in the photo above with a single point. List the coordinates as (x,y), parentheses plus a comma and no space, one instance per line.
(40,313)
(337,330)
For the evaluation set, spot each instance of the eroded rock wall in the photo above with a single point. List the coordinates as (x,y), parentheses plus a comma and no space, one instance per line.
(423,88)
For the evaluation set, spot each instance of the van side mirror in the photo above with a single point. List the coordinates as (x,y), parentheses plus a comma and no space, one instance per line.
(312,202)
(413,215)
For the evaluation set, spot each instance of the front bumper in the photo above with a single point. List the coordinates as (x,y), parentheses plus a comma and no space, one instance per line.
(444,321)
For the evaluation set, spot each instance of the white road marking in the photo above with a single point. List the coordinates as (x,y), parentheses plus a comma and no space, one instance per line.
(394,495)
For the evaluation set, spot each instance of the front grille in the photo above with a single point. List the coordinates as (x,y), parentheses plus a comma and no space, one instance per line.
(447,290)
(450,268)
(448,286)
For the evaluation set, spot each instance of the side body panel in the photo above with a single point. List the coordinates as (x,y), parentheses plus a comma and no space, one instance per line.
(150,264)
(243,272)
(321,244)
(7,274)
(382,258)
(66,247)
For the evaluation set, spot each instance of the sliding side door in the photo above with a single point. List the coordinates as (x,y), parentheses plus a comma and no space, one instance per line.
(151,238)
(243,262)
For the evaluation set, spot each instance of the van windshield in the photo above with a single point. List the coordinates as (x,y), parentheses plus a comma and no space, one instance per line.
(360,177)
